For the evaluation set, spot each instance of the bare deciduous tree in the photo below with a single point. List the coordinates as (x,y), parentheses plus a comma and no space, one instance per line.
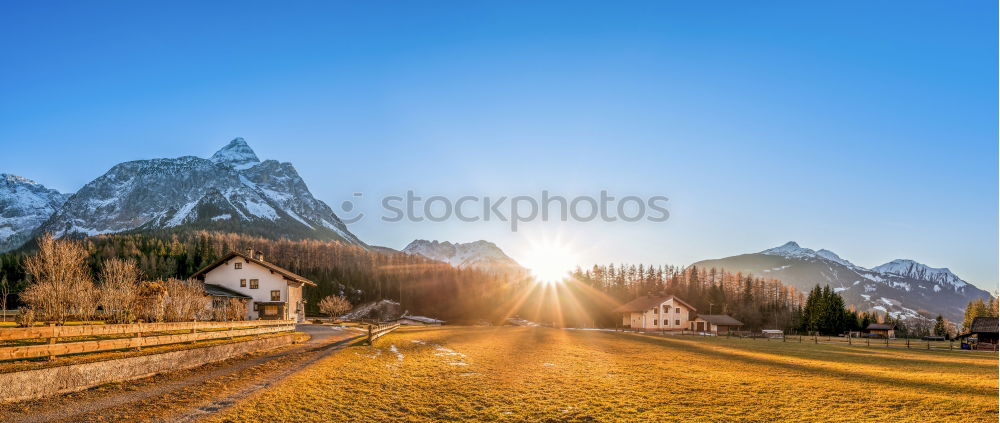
(334,306)
(61,286)
(4,293)
(119,290)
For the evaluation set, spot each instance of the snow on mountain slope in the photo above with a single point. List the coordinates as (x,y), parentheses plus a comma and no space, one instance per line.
(24,206)
(480,254)
(232,191)
(912,269)
(903,288)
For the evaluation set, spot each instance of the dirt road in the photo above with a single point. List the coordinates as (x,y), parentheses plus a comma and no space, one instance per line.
(187,395)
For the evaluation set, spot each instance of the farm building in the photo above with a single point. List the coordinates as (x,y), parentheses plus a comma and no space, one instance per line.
(773,333)
(715,323)
(269,291)
(983,330)
(419,321)
(656,312)
(881,330)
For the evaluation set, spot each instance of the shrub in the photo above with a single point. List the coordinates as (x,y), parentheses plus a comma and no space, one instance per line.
(119,290)
(150,304)
(185,301)
(25,317)
(334,306)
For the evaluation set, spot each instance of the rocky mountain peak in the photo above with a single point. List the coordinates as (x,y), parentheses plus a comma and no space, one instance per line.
(479,254)
(24,205)
(236,154)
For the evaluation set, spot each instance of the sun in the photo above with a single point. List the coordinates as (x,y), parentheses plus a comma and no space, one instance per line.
(550,261)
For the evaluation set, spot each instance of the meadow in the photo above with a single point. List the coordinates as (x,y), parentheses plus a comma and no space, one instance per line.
(542,374)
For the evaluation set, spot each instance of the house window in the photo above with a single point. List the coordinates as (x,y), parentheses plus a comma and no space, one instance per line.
(243,283)
(275,295)
(666,309)
(270,310)
(677,322)
(254,284)
(678,311)
(237,265)
(655,310)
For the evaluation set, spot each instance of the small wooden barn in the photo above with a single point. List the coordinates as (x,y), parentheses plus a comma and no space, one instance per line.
(715,323)
(984,331)
(881,330)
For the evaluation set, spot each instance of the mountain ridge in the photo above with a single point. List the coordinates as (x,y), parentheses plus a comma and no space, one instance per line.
(479,254)
(233,190)
(906,290)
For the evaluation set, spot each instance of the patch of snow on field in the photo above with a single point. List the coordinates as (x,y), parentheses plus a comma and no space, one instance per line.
(442,351)
(548,364)
(399,355)
(376,354)
(417,341)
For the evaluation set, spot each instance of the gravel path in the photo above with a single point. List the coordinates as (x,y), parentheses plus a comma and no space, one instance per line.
(185,396)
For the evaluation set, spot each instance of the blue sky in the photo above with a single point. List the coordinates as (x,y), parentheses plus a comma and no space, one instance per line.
(867,128)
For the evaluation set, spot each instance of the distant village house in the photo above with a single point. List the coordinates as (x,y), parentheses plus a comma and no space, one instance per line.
(656,312)
(270,292)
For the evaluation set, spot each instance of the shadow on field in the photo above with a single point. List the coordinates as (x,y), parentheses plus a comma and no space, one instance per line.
(708,350)
(943,362)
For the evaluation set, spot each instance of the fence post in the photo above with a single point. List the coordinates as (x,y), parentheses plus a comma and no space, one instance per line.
(849,338)
(928,344)
(138,336)
(52,340)
(907,343)
(868,341)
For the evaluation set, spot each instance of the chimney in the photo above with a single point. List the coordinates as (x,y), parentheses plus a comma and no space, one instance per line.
(260,256)
(250,252)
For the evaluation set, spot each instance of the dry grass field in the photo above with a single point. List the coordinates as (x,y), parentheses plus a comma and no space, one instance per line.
(540,374)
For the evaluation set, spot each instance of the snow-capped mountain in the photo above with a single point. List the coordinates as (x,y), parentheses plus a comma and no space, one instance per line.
(912,269)
(904,288)
(24,206)
(232,191)
(479,255)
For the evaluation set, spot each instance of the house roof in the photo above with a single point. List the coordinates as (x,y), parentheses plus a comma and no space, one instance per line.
(647,302)
(720,319)
(285,273)
(983,325)
(214,290)
(880,326)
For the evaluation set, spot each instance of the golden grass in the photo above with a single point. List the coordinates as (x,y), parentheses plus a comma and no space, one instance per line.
(539,374)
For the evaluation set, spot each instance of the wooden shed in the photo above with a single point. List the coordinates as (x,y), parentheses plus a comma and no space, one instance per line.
(881,330)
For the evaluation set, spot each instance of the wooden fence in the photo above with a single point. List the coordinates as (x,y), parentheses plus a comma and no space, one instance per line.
(377,330)
(132,336)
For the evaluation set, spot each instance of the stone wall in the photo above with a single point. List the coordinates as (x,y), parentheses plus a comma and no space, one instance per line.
(39,383)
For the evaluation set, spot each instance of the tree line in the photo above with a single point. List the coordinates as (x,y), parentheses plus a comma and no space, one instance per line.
(757,302)
(359,274)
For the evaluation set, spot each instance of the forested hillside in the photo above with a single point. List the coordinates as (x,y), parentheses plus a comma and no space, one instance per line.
(423,286)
